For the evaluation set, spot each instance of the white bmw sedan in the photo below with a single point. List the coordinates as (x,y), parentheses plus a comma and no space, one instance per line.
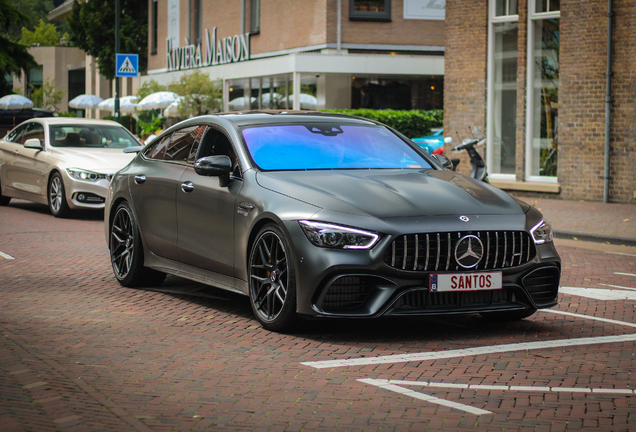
(66,163)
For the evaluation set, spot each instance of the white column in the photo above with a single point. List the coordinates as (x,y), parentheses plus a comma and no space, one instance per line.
(296,85)
(226,95)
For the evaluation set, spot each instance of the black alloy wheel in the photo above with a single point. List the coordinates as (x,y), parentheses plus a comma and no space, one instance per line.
(57,197)
(126,251)
(272,281)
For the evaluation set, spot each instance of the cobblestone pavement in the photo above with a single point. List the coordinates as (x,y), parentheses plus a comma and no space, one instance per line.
(79,352)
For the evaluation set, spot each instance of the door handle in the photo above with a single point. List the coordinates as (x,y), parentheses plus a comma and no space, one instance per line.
(15,152)
(139,179)
(187,187)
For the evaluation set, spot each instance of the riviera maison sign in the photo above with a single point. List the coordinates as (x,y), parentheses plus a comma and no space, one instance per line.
(227,50)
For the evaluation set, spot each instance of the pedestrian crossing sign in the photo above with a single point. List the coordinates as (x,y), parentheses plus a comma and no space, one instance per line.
(127,65)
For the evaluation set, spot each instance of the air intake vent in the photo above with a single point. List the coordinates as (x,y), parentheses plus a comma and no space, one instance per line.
(542,285)
(349,292)
(430,252)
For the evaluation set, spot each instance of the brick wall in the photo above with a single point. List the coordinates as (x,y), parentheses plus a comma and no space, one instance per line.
(582,100)
(465,72)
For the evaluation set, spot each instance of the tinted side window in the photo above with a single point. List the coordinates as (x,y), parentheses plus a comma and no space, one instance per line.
(216,143)
(17,134)
(34,130)
(184,142)
(157,150)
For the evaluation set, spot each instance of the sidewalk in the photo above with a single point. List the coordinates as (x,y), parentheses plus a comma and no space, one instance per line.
(589,221)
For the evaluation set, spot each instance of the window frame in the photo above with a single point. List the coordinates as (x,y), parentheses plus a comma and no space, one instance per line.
(154,27)
(370,16)
(532,17)
(490,95)
(255,12)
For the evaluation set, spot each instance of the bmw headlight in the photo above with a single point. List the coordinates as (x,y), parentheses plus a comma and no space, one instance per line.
(338,237)
(81,174)
(542,232)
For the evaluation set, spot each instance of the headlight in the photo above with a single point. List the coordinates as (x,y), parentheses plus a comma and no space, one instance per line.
(81,174)
(541,232)
(337,237)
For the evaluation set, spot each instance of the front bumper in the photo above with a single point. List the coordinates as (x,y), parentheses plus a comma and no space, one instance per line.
(82,194)
(360,283)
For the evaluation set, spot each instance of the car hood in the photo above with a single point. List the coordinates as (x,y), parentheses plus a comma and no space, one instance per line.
(392,193)
(103,160)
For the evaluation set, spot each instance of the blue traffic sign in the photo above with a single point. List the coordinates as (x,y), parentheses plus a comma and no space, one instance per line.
(127,65)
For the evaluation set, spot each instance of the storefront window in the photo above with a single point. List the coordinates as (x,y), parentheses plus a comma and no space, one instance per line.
(255,16)
(372,10)
(502,89)
(545,98)
(504,115)
(547,6)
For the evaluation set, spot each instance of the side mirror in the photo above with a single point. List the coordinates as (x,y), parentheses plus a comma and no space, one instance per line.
(444,161)
(33,143)
(213,166)
(448,140)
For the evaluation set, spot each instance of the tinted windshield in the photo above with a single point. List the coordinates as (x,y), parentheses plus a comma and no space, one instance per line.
(91,136)
(330,146)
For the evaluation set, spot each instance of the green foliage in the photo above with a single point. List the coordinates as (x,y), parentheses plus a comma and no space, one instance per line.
(35,10)
(413,124)
(13,56)
(149,122)
(46,96)
(149,87)
(93,30)
(200,96)
(67,114)
(43,34)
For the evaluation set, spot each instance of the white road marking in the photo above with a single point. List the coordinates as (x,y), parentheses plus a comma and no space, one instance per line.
(506,387)
(599,293)
(618,286)
(625,274)
(621,253)
(436,355)
(590,317)
(428,398)
(6,256)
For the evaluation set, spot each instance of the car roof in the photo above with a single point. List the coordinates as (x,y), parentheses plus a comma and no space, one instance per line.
(74,121)
(274,117)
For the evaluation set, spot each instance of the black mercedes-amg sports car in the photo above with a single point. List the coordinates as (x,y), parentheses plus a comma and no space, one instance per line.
(315,214)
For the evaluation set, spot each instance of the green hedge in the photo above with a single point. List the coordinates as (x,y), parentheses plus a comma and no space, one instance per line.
(413,124)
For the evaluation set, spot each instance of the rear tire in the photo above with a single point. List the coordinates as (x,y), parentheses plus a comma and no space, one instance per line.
(126,251)
(272,281)
(508,315)
(57,197)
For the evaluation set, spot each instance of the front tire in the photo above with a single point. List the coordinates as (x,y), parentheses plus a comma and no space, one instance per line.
(126,251)
(272,280)
(57,197)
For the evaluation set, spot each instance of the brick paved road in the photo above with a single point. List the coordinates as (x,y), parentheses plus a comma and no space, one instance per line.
(79,352)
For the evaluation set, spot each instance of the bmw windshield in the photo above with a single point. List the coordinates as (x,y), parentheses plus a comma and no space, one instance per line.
(329,146)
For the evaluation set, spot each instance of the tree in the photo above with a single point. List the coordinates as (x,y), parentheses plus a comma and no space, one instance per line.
(46,96)
(43,34)
(92,29)
(36,10)
(14,57)
(200,96)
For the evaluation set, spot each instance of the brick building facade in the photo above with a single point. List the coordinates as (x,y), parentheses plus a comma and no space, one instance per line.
(532,74)
(373,54)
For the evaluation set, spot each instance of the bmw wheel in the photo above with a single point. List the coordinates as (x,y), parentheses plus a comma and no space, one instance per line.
(126,251)
(57,197)
(272,280)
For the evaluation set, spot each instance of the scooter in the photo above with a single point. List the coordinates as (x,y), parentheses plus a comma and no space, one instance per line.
(479,170)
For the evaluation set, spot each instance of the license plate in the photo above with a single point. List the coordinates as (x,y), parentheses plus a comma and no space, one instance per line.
(457,282)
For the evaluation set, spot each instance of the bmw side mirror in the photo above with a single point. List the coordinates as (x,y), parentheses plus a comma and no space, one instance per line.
(444,161)
(213,166)
(33,143)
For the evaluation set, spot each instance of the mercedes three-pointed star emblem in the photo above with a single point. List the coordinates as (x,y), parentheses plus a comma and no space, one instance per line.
(469,251)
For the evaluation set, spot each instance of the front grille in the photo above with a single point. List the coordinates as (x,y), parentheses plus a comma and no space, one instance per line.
(435,251)
(420,299)
(543,284)
(349,292)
